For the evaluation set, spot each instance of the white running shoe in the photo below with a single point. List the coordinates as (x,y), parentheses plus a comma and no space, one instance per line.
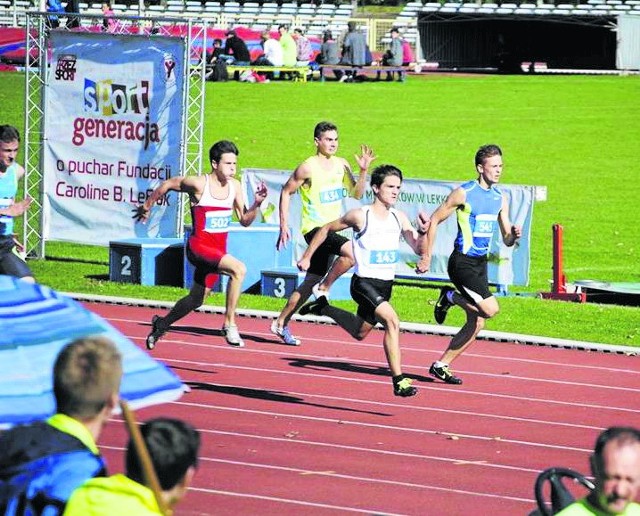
(232,335)
(284,334)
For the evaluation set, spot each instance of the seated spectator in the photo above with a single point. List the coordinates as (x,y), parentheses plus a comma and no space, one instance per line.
(216,51)
(354,49)
(55,8)
(407,53)
(393,56)
(235,50)
(615,465)
(303,48)
(329,53)
(43,462)
(108,22)
(173,446)
(289,50)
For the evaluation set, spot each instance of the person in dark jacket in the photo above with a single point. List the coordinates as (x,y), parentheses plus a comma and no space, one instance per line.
(237,48)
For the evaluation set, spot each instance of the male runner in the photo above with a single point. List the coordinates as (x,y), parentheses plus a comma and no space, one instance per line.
(213,198)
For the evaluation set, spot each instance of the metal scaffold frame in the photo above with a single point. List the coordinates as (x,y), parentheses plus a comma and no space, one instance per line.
(36,81)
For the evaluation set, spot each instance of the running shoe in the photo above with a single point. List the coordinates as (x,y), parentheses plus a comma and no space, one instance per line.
(314,307)
(442,305)
(284,334)
(444,373)
(232,336)
(403,388)
(155,334)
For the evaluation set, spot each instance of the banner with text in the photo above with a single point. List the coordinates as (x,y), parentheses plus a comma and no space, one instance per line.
(112,133)
(507,265)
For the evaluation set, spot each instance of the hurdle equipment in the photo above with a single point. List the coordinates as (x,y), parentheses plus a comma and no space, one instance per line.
(559,288)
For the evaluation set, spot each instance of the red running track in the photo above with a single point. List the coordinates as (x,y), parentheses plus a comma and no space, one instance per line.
(316,430)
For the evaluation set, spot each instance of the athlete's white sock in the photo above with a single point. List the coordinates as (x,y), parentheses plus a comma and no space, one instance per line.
(437,363)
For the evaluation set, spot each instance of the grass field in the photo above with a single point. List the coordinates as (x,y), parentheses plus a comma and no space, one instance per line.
(576,135)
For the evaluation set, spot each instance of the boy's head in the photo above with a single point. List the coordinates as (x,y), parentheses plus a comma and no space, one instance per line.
(86,377)
(173,446)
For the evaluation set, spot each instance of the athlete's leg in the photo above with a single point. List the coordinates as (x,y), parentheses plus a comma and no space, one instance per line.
(236,270)
(297,299)
(391,341)
(340,265)
(184,306)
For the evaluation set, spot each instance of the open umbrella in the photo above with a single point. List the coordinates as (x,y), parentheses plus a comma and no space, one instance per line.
(35,324)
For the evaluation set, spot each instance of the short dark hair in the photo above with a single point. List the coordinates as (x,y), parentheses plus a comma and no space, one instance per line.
(622,434)
(173,447)
(285,27)
(222,147)
(487,151)
(323,127)
(8,133)
(382,171)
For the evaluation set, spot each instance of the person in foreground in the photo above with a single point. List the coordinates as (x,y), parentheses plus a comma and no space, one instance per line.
(322,181)
(479,205)
(377,229)
(43,462)
(213,198)
(615,465)
(11,263)
(173,446)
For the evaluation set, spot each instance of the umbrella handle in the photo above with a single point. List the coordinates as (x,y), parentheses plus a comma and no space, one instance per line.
(149,473)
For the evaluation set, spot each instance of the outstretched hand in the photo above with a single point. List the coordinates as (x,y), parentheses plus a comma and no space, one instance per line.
(423,221)
(423,264)
(18,208)
(140,213)
(283,239)
(366,157)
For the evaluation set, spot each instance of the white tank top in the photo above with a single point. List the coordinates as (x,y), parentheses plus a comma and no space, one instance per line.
(376,247)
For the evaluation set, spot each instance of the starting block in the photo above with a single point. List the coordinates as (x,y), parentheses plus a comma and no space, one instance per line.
(146,261)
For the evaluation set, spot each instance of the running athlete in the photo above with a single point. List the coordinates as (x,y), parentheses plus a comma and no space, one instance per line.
(213,198)
(377,229)
(11,262)
(478,205)
(322,180)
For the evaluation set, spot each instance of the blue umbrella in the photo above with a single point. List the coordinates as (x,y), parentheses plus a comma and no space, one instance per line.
(35,324)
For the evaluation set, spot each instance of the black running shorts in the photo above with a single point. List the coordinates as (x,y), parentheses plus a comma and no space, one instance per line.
(323,257)
(369,293)
(469,275)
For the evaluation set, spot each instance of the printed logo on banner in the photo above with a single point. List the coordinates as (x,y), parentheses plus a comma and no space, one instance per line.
(108,99)
(169,65)
(66,67)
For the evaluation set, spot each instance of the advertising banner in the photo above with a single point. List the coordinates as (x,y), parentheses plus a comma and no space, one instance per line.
(112,133)
(507,265)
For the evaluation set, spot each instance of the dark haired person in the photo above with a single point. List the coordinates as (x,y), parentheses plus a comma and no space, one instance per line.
(479,206)
(213,197)
(615,465)
(377,229)
(173,447)
(11,262)
(322,181)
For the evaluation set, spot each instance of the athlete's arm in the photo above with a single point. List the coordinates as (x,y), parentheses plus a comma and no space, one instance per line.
(411,235)
(456,198)
(247,216)
(17,208)
(187,184)
(295,181)
(510,233)
(364,161)
(351,219)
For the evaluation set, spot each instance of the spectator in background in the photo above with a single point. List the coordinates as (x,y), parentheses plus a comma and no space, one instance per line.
(12,261)
(55,8)
(354,49)
(108,22)
(43,462)
(303,48)
(235,50)
(272,49)
(329,52)
(615,465)
(393,55)
(173,446)
(216,51)
(72,7)
(289,51)
(407,53)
